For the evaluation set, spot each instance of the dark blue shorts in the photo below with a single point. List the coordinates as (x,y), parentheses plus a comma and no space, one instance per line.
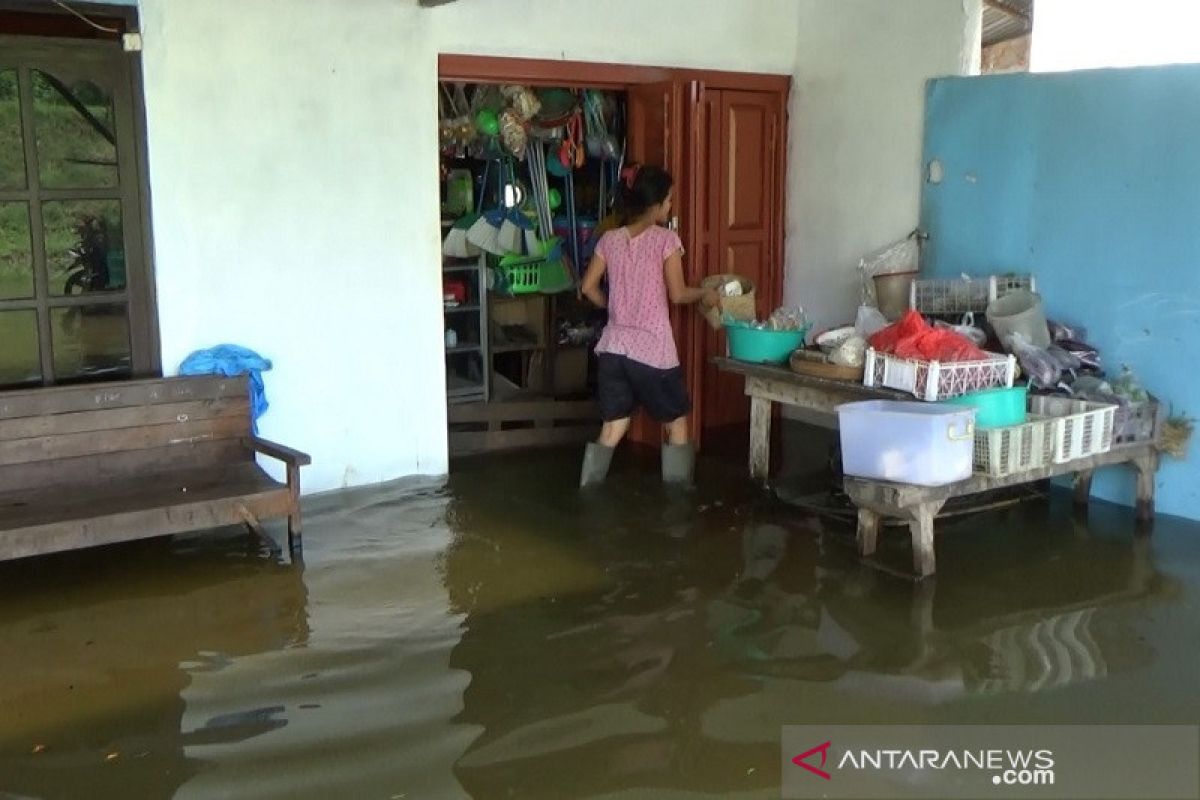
(625,384)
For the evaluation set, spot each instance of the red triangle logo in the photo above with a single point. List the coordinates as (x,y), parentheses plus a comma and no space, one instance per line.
(802,760)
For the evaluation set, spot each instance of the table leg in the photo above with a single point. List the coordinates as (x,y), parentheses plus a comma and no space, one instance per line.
(760,438)
(921,527)
(1147,468)
(1083,488)
(868,531)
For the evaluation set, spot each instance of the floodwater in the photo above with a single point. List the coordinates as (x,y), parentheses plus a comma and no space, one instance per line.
(507,637)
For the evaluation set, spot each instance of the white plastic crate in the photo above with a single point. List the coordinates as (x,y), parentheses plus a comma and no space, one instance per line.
(962,295)
(1081,429)
(1000,452)
(938,380)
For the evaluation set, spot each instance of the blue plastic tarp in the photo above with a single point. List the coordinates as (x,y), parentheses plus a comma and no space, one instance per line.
(231,360)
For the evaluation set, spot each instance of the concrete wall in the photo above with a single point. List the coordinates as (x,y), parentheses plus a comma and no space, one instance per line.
(293,171)
(1090,180)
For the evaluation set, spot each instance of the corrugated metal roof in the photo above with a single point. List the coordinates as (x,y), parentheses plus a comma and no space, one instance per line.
(1002,20)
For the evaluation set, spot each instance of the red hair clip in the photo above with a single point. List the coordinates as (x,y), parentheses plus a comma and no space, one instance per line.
(629,174)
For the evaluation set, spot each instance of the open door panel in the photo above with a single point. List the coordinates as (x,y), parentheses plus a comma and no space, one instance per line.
(661,118)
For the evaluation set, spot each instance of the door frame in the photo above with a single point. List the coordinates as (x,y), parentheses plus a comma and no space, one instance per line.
(469,68)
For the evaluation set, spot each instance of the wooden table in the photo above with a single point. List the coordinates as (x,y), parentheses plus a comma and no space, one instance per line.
(814,400)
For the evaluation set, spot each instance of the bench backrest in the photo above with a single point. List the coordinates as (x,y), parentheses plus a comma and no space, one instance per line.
(105,431)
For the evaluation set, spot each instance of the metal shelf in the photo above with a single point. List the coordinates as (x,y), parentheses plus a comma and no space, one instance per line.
(460,309)
(470,347)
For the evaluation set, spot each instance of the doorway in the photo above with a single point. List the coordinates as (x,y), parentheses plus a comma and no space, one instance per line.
(723,136)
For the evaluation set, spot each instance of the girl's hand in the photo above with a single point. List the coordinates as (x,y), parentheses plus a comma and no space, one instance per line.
(710,298)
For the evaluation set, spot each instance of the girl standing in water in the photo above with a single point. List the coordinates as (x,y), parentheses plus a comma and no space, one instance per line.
(638,362)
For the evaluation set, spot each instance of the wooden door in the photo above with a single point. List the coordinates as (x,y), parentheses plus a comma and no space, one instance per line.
(742,207)
(658,122)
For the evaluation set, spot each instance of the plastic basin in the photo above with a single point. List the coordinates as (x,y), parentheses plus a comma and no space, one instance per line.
(996,408)
(763,346)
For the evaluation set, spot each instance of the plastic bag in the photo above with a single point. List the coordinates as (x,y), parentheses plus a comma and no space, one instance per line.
(850,353)
(912,337)
(1128,386)
(870,320)
(786,318)
(1041,367)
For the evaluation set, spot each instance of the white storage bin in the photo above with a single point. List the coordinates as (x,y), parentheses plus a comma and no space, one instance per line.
(920,443)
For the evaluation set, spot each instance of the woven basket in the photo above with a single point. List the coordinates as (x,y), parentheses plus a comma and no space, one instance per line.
(739,308)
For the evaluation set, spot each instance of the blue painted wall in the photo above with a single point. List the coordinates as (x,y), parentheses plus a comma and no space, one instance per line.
(1091,180)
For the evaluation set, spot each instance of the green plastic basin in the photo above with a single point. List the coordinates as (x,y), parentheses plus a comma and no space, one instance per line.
(996,408)
(763,346)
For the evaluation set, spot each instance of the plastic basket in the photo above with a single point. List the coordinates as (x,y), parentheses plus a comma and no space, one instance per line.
(539,273)
(935,380)
(1081,429)
(1000,452)
(963,295)
(1138,422)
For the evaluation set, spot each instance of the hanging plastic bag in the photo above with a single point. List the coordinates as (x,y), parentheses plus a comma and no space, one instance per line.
(870,321)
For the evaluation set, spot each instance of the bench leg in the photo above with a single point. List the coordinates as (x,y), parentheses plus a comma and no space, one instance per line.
(868,531)
(760,438)
(295,528)
(921,527)
(1083,489)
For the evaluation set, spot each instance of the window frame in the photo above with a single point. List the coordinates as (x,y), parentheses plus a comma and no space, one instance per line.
(28,53)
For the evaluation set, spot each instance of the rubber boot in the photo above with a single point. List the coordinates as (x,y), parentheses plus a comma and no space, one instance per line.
(596,460)
(678,463)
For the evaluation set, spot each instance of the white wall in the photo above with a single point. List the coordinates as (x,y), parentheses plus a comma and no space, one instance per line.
(1089,34)
(293,170)
(857,113)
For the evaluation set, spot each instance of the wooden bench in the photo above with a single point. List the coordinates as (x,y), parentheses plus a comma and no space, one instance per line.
(100,463)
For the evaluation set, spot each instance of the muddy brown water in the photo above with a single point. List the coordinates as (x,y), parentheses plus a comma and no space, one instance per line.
(505,636)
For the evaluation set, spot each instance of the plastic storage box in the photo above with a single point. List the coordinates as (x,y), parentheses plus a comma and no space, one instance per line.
(907,442)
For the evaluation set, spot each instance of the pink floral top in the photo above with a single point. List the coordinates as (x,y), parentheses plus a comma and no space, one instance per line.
(639,324)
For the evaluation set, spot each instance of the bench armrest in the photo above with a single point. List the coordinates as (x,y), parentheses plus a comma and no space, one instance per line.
(277,451)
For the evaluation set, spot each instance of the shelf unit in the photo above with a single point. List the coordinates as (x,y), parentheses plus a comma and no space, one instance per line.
(467,360)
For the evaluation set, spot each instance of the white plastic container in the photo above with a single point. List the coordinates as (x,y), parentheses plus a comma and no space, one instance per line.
(934,380)
(926,444)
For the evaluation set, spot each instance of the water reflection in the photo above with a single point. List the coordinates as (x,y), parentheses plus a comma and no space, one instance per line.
(685,631)
(508,636)
(96,650)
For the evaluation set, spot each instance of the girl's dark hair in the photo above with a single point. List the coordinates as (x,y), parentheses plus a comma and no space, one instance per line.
(649,187)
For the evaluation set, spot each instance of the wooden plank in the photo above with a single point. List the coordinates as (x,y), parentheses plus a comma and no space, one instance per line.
(906,495)
(473,442)
(141,524)
(109,466)
(122,394)
(24,509)
(519,411)
(21,451)
(132,417)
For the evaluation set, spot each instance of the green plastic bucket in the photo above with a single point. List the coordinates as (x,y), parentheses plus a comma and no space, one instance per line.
(760,346)
(996,408)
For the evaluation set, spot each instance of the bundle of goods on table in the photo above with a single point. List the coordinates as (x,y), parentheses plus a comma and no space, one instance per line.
(1046,401)
(974,416)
